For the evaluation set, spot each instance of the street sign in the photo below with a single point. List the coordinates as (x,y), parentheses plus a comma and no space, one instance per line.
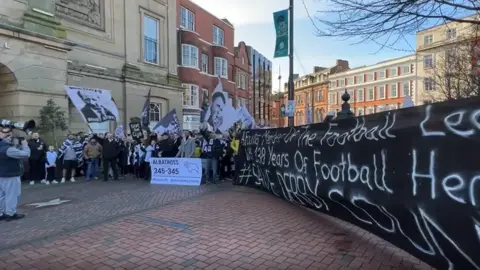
(290,111)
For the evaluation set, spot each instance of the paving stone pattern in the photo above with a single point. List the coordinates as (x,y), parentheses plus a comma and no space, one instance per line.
(90,203)
(231,229)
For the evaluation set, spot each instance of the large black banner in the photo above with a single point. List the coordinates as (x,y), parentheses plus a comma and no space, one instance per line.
(410,176)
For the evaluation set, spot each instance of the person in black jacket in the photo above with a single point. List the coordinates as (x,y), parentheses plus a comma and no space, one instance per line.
(36,160)
(165,146)
(111,150)
(212,151)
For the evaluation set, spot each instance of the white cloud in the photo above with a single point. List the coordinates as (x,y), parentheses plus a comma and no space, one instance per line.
(241,12)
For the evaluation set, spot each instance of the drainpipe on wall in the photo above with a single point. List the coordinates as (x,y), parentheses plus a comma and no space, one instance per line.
(416,79)
(124,79)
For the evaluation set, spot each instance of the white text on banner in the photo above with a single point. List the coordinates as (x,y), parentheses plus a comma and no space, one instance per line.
(176,171)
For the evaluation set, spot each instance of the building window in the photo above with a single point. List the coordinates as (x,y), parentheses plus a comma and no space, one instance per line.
(428,61)
(150,40)
(393,91)
(342,82)
(332,98)
(155,112)
(221,67)
(370,77)
(190,96)
(381,74)
(243,60)
(451,33)
(370,110)
(360,95)
(241,80)
(351,93)
(405,69)
(370,94)
(393,72)
(428,84)
(359,111)
(218,36)
(450,56)
(318,96)
(381,92)
(360,79)
(350,81)
(189,56)
(204,66)
(406,89)
(427,40)
(187,19)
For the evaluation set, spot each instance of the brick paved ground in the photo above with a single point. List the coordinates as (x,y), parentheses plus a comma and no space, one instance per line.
(234,228)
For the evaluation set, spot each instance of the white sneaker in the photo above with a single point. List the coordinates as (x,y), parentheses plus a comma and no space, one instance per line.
(32,183)
(47,183)
(63,181)
(43,181)
(54,182)
(72,180)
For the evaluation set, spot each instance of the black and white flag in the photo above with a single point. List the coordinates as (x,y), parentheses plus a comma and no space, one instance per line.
(168,124)
(95,105)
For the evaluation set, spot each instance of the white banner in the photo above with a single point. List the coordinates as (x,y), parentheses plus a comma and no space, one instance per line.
(176,171)
(95,105)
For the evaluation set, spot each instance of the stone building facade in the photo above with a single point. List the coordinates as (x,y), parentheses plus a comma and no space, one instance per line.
(127,47)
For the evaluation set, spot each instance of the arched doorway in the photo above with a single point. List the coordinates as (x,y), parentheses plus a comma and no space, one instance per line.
(8,84)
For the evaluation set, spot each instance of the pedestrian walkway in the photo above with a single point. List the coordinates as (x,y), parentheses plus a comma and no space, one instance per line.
(222,227)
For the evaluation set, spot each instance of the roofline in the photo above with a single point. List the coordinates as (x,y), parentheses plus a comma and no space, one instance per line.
(443,24)
(385,62)
(211,14)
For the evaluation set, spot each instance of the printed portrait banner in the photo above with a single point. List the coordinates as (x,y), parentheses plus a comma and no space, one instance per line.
(95,105)
(246,119)
(220,114)
(136,131)
(410,176)
(176,171)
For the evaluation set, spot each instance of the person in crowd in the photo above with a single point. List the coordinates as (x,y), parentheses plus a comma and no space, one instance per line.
(177,141)
(226,159)
(130,154)
(70,153)
(110,152)
(165,146)
(150,150)
(51,165)
(139,159)
(187,146)
(92,153)
(212,151)
(122,155)
(234,145)
(36,160)
(11,169)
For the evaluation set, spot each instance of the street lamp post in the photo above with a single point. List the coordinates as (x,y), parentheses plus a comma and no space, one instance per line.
(290,56)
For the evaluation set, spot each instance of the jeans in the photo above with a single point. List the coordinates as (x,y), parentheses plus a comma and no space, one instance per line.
(211,165)
(10,190)
(92,169)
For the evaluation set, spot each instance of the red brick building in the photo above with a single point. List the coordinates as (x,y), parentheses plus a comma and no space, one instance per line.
(206,51)
(242,73)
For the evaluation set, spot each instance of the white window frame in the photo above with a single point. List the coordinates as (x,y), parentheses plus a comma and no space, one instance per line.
(428,82)
(371,110)
(382,76)
(204,63)
(451,33)
(427,40)
(403,88)
(150,39)
(393,72)
(381,89)
(425,58)
(191,90)
(187,19)
(360,95)
(154,110)
(218,36)
(360,112)
(370,94)
(370,77)
(189,56)
(351,81)
(406,69)
(360,79)
(223,67)
(391,90)
(332,98)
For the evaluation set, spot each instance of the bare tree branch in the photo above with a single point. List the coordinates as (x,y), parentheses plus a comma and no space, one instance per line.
(374,20)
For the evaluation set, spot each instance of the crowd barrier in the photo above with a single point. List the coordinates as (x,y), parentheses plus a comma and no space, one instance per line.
(410,176)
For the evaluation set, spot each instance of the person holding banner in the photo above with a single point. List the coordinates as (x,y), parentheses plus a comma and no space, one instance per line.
(212,151)
(111,150)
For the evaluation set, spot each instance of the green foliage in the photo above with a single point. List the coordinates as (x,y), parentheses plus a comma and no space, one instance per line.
(52,118)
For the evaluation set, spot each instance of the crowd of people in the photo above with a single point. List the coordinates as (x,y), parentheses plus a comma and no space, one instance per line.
(111,157)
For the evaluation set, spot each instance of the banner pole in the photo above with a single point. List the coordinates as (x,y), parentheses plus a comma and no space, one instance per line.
(291,95)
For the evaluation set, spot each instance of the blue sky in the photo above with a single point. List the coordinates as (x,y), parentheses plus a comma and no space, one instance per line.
(253,20)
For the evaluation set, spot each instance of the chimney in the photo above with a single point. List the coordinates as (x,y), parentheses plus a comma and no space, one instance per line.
(317,69)
(343,64)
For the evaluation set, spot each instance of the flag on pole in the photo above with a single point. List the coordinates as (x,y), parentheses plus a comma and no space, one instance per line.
(146,112)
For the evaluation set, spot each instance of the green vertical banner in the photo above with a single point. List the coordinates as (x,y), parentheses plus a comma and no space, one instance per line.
(280,19)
